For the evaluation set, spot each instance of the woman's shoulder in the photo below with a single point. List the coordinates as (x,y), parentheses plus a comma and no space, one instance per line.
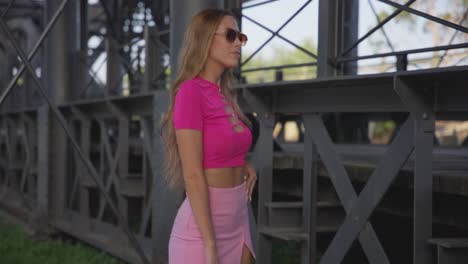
(197,86)
(195,82)
(196,89)
(190,86)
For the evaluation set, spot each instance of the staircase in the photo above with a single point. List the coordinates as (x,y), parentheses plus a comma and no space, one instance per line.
(285,218)
(286,213)
(451,250)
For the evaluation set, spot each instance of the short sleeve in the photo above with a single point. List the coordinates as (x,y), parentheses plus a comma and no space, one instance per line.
(188,107)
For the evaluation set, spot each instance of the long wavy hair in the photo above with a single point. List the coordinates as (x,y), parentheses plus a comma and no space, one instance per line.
(192,60)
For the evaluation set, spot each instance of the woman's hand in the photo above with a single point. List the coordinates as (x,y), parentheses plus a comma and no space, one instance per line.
(211,255)
(250,178)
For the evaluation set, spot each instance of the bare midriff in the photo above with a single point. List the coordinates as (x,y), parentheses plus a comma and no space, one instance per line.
(224,177)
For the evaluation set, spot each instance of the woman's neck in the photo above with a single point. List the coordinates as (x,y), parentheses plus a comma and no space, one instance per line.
(212,72)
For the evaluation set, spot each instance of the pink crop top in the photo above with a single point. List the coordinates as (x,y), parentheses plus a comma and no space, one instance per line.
(226,139)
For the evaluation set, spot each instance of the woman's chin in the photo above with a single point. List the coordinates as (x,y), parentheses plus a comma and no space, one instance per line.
(231,65)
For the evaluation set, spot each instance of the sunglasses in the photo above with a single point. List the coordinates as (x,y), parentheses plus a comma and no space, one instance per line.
(232,34)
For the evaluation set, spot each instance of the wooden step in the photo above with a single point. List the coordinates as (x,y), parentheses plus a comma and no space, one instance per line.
(292,233)
(135,146)
(450,242)
(87,181)
(132,187)
(451,250)
(284,233)
(289,215)
(288,183)
(298,205)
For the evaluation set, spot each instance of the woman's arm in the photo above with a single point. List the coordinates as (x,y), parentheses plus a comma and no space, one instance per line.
(191,152)
(250,177)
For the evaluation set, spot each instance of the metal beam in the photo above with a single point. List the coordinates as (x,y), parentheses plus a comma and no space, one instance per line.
(378,26)
(365,93)
(309,193)
(263,161)
(420,106)
(344,188)
(371,195)
(62,123)
(166,202)
(34,50)
(327,39)
(277,32)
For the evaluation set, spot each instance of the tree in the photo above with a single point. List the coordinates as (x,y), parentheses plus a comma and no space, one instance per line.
(282,56)
(455,11)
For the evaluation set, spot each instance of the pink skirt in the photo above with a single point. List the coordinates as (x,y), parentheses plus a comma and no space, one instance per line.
(231,225)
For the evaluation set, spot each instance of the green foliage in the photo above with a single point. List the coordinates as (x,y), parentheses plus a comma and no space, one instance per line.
(382,131)
(286,252)
(447,16)
(402,16)
(383,15)
(135,226)
(384,127)
(406,17)
(167,72)
(17,248)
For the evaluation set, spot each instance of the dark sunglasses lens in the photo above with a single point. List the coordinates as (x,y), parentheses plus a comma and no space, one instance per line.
(231,35)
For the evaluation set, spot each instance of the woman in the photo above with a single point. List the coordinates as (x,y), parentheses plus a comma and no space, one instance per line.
(206,140)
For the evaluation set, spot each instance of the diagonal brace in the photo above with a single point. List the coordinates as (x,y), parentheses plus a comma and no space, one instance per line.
(276,32)
(34,49)
(372,194)
(418,103)
(378,26)
(339,177)
(75,145)
(311,54)
(113,161)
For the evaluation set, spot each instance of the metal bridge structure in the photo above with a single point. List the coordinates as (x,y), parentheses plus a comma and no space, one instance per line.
(83,156)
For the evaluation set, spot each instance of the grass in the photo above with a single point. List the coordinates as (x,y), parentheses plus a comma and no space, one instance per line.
(17,248)
(285,252)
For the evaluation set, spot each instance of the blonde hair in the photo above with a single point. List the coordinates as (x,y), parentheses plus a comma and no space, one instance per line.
(193,57)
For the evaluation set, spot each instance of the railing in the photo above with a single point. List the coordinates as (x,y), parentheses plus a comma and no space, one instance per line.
(344,55)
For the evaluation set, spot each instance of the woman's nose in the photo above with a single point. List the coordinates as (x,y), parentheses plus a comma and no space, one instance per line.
(237,42)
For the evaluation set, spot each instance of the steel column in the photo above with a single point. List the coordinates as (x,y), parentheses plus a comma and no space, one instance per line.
(263,161)
(57,80)
(164,203)
(56,71)
(153,59)
(350,31)
(420,105)
(82,49)
(328,38)
(43,176)
(114,62)
(309,193)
